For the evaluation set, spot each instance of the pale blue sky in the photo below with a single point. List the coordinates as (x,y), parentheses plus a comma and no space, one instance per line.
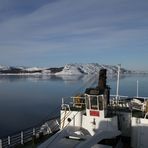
(56,32)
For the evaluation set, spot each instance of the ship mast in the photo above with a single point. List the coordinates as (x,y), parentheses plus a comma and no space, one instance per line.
(118,80)
(137,88)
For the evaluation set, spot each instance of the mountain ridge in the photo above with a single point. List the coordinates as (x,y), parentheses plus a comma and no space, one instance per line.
(68,69)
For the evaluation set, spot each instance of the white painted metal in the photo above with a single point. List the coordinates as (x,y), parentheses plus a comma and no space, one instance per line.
(100,135)
(139,133)
(74,116)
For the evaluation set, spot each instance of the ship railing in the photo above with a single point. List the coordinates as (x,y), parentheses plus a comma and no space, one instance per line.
(30,134)
(73,102)
(119,101)
(132,103)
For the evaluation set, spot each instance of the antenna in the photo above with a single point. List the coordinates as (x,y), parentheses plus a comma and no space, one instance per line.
(118,80)
(137,88)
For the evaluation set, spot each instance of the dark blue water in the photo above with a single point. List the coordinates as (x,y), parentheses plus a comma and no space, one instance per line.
(28,100)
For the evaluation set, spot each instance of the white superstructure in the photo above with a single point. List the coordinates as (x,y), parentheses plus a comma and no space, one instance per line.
(85,121)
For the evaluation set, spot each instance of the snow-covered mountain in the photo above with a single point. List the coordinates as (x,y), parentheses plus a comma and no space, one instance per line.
(68,69)
(92,68)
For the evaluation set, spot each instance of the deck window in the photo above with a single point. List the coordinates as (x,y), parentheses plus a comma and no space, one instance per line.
(100,98)
(94,102)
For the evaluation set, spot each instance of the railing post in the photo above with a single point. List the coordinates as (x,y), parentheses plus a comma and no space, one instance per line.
(49,131)
(9,140)
(0,143)
(62,101)
(33,137)
(33,131)
(22,138)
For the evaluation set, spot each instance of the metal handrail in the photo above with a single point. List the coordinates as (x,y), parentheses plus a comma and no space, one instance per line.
(25,136)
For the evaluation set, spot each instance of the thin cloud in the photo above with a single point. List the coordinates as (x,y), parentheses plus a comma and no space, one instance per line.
(67,25)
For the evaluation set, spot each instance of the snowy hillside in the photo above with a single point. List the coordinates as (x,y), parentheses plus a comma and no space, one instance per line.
(92,68)
(68,69)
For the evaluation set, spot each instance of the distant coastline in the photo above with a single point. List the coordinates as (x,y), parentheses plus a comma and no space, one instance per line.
(68,69)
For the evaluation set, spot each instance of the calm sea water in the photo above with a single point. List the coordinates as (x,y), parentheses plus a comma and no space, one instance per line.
(26,101)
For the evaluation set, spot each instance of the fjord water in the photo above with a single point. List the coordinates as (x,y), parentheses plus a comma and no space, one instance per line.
(25,101)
